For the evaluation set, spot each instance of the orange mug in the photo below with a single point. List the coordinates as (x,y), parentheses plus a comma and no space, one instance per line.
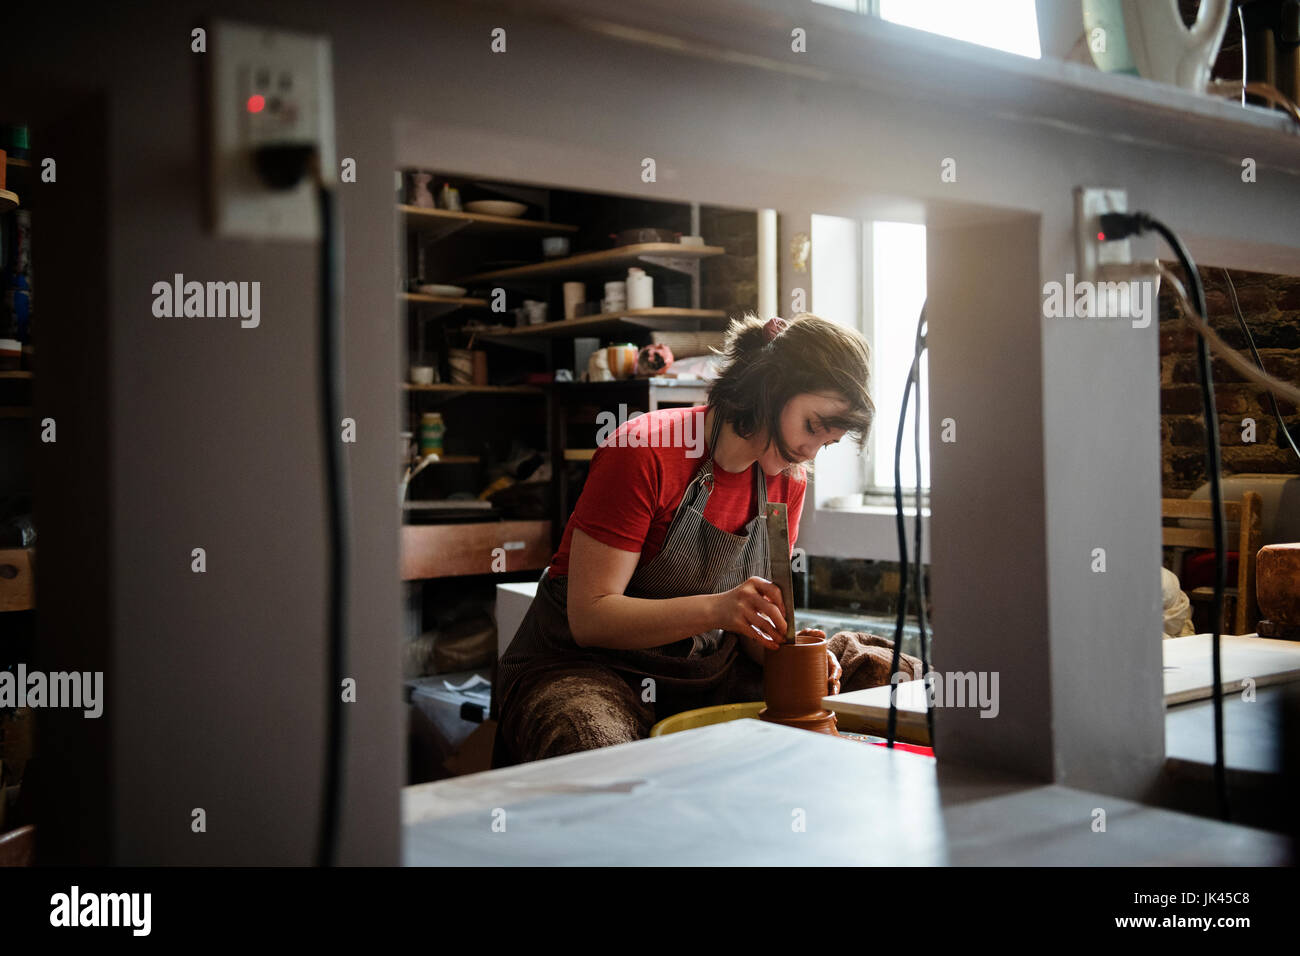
(622,360)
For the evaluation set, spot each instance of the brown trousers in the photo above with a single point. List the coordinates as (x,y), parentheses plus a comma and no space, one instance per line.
(574,707)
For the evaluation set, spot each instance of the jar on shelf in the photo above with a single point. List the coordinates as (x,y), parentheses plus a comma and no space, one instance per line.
(432,431)
(640,289)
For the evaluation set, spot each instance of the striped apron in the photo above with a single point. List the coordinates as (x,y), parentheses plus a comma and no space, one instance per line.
(697,558)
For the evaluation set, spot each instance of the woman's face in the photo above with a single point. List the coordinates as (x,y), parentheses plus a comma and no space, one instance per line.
(802,429)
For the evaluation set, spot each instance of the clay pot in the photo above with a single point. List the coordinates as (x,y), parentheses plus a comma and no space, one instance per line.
(795,679)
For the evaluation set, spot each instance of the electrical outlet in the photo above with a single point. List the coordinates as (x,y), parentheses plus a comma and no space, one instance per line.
(265,87)
(1089,250)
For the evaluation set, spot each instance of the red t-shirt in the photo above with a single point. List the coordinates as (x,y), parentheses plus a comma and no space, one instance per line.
(632,493)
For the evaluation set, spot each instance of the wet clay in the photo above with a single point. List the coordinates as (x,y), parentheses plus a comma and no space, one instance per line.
(795,680)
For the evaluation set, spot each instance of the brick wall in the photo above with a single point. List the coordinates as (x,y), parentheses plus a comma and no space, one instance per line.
(860,585)
(1271,305)
(729,281)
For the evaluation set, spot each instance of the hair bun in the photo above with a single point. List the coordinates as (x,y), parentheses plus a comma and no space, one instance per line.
(774,327)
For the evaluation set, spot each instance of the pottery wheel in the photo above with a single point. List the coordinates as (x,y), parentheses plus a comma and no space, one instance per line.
(822,722)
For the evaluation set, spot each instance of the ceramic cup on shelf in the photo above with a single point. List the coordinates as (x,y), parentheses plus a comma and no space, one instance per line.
(421,374)
(622,360)
(615,297)
(535,310)
(574,294)
(554,246)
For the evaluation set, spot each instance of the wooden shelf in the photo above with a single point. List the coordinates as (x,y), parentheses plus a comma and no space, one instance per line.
(672,256)
(436,223)
(15,411)
(447,460)
(18,374)
(452,550)
(501,389)
(579,454)
(440,304)
(659,318)
(18,163)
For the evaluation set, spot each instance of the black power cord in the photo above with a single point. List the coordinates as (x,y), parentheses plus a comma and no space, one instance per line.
(336,478)
(1259,363)
(1120,226)
(921,332)
(901,526)
(283,166)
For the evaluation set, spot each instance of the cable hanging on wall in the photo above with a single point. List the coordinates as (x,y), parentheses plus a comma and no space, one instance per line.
(913,384)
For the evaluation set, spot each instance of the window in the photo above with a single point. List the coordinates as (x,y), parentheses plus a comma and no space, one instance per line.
(894,288)
(897,293)
(1010,25)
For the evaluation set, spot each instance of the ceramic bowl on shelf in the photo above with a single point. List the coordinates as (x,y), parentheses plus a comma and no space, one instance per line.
(496,207)
(553,246)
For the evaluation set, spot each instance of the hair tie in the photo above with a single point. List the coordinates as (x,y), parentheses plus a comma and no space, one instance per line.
(775,326)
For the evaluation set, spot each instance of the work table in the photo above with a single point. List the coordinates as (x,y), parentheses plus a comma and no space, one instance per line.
(737,792)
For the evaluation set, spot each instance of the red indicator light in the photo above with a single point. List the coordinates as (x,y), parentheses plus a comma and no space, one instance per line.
(256,103)
(1101,237)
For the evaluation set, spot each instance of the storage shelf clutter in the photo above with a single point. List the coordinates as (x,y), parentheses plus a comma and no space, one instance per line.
(496,293)
(508,319)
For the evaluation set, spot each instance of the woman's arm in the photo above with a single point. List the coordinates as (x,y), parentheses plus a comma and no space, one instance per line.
(601,615)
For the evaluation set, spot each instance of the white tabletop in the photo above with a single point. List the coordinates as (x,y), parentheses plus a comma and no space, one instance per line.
(1188,676)
(736,793)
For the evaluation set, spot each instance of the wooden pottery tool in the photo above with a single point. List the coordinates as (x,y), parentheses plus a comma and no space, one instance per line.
(778,554)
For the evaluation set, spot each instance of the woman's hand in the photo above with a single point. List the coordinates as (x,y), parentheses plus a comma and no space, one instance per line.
(833,669)
(753,608)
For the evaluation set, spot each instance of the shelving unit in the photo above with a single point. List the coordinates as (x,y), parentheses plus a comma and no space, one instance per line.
(674,266)
(448,547)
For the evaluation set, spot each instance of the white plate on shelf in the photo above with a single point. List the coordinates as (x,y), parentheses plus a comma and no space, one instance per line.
(454,291)
(496,207)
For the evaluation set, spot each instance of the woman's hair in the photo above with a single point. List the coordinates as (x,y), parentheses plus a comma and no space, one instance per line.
(758,377)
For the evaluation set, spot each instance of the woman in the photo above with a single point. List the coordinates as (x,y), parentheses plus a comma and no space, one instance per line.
(659,599)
